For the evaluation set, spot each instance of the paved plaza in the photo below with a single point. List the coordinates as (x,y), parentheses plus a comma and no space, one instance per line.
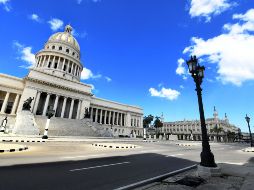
(74,163)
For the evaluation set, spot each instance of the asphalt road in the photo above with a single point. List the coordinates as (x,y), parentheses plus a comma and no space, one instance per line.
(78,165)
(101,173)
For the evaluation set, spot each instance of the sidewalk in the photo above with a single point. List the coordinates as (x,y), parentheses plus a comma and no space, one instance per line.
(234,177)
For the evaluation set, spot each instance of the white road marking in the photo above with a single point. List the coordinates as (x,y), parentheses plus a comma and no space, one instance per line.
(93,167)
(235,163)
(85,156)
(174,155)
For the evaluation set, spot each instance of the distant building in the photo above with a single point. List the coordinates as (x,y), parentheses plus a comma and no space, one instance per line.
(191,129)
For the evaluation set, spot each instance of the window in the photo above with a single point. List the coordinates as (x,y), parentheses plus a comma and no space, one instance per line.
(47,47)
(67,50)
(53,47)
(49,65)
(60,48)
(64,68)
(55,66)
(73,53)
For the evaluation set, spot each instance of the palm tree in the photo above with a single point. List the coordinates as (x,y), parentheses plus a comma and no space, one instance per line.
(217,130)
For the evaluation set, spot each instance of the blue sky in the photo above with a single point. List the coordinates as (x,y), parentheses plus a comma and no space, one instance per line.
(133,51)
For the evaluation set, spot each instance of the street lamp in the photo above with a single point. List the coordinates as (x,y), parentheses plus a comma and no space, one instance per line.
(248,121)
(197,73)
(50,113)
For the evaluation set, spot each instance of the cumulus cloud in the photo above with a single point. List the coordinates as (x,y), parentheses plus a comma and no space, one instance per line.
(6,5)
(180,70)
(25,54)
(55,24)
(167,93)
(232,50)
(207,8)
(88,74)
(35,17)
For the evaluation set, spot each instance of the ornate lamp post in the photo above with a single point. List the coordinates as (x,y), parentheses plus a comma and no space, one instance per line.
(197,73)
(50,113)
(248,121)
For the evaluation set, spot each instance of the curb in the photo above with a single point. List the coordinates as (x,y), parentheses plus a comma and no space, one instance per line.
(115,146)
(23,141)
(157,178)
(185,144)
(14,150)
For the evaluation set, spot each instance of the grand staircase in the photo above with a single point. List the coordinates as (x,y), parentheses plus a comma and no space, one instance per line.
(71,127)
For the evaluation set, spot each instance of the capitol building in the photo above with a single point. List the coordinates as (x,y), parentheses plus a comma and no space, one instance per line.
(55,81)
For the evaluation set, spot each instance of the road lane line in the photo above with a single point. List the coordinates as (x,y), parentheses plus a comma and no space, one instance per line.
(85,156)
(93,167)
(174,155)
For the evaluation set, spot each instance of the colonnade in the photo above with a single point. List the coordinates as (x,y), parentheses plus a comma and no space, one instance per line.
(57,62)
(108,117)
(65,107)
(10,102)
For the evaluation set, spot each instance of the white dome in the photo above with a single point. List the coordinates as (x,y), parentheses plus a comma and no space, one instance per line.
(65,37)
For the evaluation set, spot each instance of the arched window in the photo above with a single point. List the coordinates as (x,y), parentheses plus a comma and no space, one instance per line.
(73,53)
(60,48)
(55,66)
(67,50)
(49,65)
(53,47)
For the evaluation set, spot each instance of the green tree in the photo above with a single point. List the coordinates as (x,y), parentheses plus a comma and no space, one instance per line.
(157,124)
(147,120)
(217,130)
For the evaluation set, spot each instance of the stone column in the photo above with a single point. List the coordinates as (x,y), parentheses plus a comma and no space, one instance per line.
(48,61)
(15,105)
(46,105)
(71,108)
(56,103)
(114,115)
(78,111)
(121,119)
(91,114)
(101,116)
(117,118)
(42,61)
(109,118)
(68,66)
(72,68)
(63,64)
(63,107)
(96,115)
(53,62)
(58,62)
(36,102)
(105,117)
(4,106)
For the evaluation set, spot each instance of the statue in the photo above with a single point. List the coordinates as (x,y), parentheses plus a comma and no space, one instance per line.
(87,114)
(3,125)
(27,104)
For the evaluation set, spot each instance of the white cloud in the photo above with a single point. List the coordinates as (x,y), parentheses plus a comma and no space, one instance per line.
(167,93)
(207,8)
(180,70)
(232,50)
(108,79)
(6,5)
(26,55)
(35,17)
(181,86)
(55,24)
(79,35)
(88,74)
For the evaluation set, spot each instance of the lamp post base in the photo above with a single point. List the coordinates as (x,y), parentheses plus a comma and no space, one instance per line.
(207,159)
(44,137)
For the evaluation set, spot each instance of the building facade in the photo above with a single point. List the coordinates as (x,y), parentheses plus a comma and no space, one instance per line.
(55,81)
(191,129)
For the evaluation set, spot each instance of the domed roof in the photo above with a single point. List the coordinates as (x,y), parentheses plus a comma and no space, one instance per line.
(65,37)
